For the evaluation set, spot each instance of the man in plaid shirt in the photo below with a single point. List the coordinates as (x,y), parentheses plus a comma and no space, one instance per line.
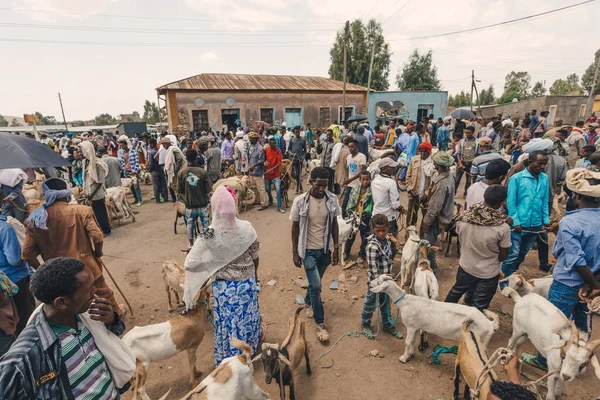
(130,164)
(380,256)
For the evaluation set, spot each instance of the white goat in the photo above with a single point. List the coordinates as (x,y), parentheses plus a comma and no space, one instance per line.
(441,319)
(347,228)
(523,286)
(425,285)
(232,380)
(568,351)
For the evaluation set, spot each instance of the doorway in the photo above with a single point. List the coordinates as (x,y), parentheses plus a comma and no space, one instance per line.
(293,116)
(231,118)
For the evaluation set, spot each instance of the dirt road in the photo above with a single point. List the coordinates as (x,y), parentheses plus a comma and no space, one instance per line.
(348,372)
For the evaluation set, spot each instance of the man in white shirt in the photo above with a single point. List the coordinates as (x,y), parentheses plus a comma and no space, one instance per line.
(384,188)
(357,162)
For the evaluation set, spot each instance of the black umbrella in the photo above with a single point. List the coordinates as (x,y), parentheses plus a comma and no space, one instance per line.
(461,113)
(21,152)
(356,118)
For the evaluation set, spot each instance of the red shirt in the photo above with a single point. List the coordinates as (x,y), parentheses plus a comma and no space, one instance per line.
(273,157)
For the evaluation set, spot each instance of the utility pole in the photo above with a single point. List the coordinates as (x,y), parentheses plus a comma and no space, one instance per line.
(346,30)
(590,101)
(63,112)
(369,79)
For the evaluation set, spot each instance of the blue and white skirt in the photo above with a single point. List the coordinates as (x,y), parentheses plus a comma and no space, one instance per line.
(236,315)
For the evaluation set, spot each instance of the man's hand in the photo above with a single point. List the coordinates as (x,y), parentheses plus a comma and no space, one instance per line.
(336,255)
(518,229)
(297,260)
(101,310)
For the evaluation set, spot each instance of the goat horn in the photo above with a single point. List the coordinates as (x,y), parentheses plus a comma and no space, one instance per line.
(592,344)
(285,360)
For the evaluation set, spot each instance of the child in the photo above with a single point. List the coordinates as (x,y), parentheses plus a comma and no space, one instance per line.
(361,202)
(379,257)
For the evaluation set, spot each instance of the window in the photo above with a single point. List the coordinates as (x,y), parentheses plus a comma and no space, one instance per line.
(582,110)
(348,114)
(324,117)
(200,120)
(266,115)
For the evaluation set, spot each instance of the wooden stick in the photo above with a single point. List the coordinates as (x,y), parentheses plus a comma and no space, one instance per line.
(116,285)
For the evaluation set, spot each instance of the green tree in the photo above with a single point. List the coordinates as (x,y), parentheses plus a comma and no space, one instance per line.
(507,97)
(517,82)
(460,99)
(360,40)
(14,122)
(419,73)
(105,119)
(587,80)
(487,96)
(538,89)
(152,114)
(3,121)
(562,87)
(46,120)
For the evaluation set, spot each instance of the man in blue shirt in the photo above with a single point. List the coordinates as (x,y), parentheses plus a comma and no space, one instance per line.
(17,271)
(527,204)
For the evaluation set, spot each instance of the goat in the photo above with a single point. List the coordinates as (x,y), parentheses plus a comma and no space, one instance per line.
(451,232)
(567,350)
(347,228)
(119,198)
(174,278)
(281,362)
(425,285)
(232,380)
(438,318)
(163,340)
(470,363)
(523,286)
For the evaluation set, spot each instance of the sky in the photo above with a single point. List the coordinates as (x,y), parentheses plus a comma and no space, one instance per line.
(109,56)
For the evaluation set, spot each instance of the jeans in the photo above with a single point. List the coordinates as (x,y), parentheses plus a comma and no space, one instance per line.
(459,175)
(566,299)
(159,184)
(483,289)
(277,182)
(297,172)
(191,214)
(521,244)
(364,229)
(345,199)
(431,237)
(315,264)
(370,305)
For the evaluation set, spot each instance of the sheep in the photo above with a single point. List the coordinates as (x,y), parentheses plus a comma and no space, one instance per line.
(470,363)
(425,285)
(173,277)
(281,362)
(163,340)
(567,350)
(523,286)
(441,319)
(232,380)
(347,228)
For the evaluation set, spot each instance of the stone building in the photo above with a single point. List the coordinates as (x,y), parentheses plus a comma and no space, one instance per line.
(221,101)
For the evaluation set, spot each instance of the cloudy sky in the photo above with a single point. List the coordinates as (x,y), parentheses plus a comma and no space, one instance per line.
(110,55)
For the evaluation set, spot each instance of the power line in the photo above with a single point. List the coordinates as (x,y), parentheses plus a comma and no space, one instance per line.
(501,23)
(397,11)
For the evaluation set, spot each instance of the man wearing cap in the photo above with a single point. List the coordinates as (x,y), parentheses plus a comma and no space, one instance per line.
(384,188)
(418,178)
(466,151)
(576,251)
(485,156)
(440,209)
(256,168)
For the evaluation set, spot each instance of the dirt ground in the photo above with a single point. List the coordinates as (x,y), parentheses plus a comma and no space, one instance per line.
(135,251)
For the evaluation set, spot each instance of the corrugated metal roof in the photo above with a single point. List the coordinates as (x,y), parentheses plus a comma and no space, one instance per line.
(227,82)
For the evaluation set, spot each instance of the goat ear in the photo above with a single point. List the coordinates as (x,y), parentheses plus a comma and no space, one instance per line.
(433,248)
(596,366)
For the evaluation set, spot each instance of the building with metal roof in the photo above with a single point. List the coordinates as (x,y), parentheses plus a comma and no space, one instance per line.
(224,101)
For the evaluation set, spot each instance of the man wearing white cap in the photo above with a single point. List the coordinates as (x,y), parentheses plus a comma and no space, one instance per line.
(386,199)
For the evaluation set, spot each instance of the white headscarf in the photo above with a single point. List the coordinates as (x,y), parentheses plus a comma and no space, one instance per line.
(226,239)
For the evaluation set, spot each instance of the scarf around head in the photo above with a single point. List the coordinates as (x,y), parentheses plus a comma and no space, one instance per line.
(480,214)
(39,217)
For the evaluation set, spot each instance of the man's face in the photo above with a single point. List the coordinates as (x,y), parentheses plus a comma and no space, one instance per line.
(319,186)
(424,154)
(380,231)
(539,165)
(353,148)
(365,180)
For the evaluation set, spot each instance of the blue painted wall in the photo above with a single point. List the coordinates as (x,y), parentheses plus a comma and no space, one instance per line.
(408,108)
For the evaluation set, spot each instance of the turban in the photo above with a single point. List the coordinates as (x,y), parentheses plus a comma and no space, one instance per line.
(577,181)
(442,158)
(253,135)
(426,146)
(538,145)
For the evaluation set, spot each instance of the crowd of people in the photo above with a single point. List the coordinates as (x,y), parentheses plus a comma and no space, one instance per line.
(513,172)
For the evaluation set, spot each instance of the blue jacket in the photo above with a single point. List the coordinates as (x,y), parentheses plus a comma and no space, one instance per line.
(527,199)
(10,253)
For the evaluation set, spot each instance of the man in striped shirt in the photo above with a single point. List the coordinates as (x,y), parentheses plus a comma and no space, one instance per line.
(57,356)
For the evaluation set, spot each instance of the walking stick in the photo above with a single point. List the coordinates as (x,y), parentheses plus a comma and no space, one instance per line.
(116,285)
